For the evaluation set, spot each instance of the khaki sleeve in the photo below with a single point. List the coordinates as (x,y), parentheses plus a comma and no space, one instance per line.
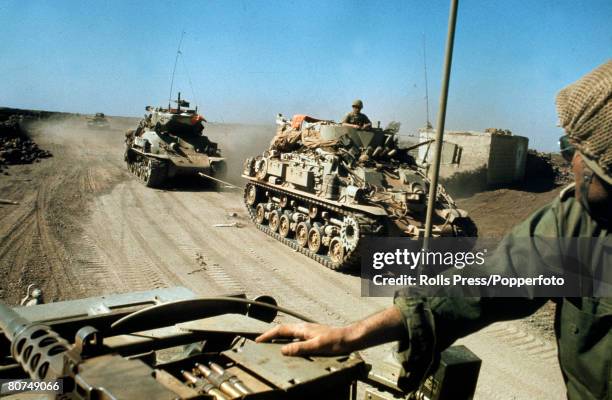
(415,351)
(432,324)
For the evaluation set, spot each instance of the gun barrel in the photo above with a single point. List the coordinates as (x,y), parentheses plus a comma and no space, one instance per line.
(11,323)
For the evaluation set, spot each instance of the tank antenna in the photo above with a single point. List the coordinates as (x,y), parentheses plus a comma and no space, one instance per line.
(428,125)
(435,166)
(178,53)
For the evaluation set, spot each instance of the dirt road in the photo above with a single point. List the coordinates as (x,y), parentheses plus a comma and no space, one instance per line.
(86,227)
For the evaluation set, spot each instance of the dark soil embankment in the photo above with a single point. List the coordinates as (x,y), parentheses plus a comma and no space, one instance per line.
(15,145)
(544,172)
(495,213)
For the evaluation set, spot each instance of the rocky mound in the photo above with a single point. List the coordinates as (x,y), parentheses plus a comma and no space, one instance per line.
(15,145)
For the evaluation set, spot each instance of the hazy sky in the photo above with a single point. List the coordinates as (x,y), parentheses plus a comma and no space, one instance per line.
(249,60)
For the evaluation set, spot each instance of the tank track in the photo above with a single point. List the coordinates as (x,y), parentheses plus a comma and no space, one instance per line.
(150,171)
(368,226)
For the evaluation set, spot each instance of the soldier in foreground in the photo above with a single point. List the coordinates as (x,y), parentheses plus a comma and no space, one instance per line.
(355,118)
(426,326)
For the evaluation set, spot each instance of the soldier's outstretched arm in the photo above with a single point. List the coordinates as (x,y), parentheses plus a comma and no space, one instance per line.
(315,339)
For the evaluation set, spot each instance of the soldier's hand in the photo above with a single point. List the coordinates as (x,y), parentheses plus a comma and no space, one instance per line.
(315,339)
(382,327)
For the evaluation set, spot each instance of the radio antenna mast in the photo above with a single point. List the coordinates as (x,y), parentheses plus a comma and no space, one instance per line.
(428,125)
(178,53)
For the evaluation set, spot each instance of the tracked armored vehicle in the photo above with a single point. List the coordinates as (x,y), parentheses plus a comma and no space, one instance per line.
(169,142)
(322,187)
(98,121)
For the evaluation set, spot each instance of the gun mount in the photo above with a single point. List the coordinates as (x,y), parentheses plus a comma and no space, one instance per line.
(129,347)
(170,344)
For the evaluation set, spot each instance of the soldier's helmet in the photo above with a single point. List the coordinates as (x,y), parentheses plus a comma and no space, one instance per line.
(358,103)
(585,112)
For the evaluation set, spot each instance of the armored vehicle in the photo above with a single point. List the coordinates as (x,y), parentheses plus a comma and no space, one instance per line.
(98,121)
(169,142)
(322,187)
(171,344)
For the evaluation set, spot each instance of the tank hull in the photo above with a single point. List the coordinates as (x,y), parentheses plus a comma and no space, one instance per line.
(156,170)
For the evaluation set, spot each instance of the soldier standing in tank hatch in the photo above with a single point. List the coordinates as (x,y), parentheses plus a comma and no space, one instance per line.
(425,326)
(355,118)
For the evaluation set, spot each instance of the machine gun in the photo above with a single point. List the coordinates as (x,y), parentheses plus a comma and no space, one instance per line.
(164,344)
(170,344)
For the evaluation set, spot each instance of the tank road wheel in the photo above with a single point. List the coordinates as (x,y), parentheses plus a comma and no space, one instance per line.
(349,233)
(141,171)
(145,170)
(336,250)
(274,220)
(315,239)
(260,214)
(251,194)
(284,228)
(301,233)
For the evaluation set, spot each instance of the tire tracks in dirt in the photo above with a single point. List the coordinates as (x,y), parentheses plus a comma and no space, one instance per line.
(264,267)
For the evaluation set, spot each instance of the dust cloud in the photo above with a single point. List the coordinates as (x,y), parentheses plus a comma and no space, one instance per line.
(68,130)
(238,142)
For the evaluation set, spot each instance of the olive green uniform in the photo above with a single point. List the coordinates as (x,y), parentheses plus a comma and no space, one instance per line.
(355,118)
(583,326)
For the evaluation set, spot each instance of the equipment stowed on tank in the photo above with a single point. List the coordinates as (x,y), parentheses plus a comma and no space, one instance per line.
(321,187)
(169,142)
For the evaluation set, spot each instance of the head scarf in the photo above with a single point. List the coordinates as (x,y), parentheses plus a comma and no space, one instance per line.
(585,112)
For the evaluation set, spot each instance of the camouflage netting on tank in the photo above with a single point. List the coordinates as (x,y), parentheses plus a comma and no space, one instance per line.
(289,139)
(286,139)
(585,112)
(15,146)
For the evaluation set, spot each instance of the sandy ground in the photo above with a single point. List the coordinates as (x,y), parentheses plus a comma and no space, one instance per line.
(85,227)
